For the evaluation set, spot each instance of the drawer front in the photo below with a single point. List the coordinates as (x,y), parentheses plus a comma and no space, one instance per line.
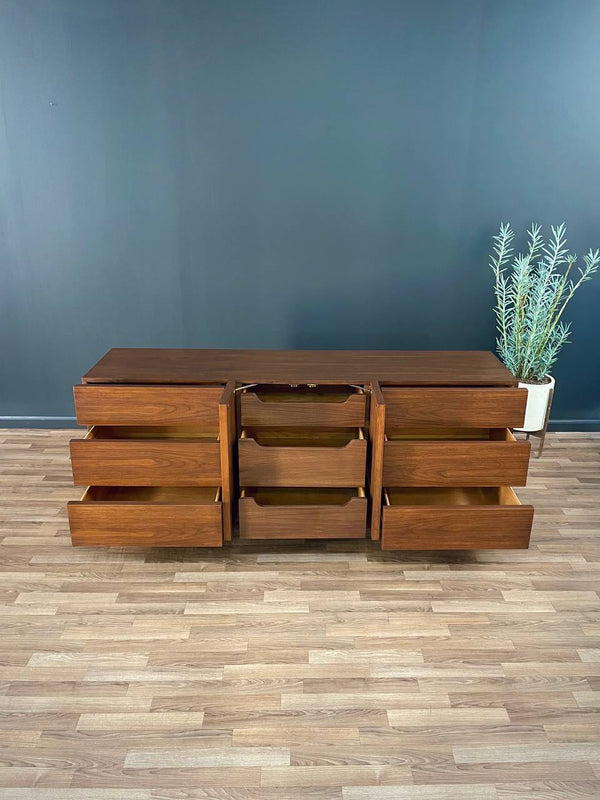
(450,407)
(148,405)
(302,466)
(144,525)
(346,521)
(348,413)
(439,463)
(145,463)
(456,528)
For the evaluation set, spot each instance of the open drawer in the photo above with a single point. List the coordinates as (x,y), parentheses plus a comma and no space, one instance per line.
(455,519)
(318,406)
(302,458)
(470,407)
(147,405)
(149,517)
(175,455)
(455,457)
(302,513)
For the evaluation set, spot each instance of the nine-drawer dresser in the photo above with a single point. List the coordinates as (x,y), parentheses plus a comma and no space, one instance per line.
(413,448)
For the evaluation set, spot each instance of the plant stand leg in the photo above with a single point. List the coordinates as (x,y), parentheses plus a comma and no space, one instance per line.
(545,428)
(541,434)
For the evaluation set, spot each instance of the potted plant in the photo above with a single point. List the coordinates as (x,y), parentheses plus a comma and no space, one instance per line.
(531,297)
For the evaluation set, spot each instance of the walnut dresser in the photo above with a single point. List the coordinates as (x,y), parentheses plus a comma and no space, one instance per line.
(411,448)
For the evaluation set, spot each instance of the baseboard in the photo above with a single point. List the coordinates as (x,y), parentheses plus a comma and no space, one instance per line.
(558,425)
(574,425)
(38,422)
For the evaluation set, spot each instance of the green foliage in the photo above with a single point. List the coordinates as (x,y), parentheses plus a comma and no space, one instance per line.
(531,296)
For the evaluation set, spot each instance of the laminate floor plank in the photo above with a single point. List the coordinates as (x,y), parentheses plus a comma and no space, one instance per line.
(298,671)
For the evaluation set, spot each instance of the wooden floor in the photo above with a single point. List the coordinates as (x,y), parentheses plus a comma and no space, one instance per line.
(264,672)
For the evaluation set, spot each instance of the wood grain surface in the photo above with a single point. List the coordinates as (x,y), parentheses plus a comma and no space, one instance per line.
(157,516)
(150,462)
(302,514)
(333,458)
(460,407)
(462,519)
(376,437)
(148,405)
(395,367)
(227,439)
(455,463)
(299,670)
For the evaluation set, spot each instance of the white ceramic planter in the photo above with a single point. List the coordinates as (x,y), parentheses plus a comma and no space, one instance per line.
(538,397)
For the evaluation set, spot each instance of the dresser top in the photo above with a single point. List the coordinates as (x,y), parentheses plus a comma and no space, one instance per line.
(389,367)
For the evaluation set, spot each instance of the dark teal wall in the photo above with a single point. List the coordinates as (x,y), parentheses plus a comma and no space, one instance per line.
(284,173)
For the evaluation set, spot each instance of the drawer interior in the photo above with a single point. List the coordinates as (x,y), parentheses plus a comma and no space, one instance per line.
(451,434)
(452,496)
(303,394)
(175,495)
(299,437)
(185,432)
(301,497)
